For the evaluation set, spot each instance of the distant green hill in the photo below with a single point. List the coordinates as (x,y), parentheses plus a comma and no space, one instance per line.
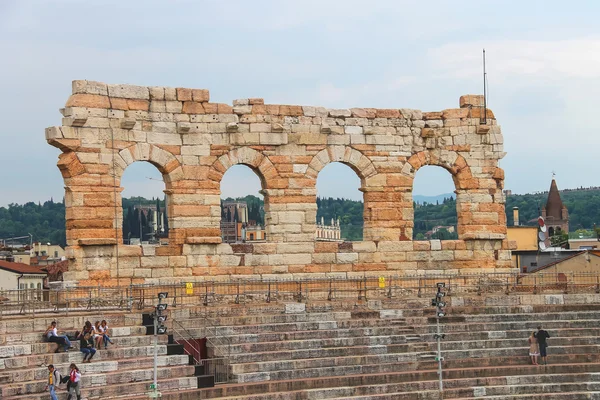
(46,222)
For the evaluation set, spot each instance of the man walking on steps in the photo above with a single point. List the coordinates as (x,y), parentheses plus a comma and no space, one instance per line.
(53,381)
(541,337)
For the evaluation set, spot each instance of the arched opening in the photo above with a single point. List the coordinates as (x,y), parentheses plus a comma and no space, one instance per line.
(242,206)
(145,219)
(434,202)
(339,204)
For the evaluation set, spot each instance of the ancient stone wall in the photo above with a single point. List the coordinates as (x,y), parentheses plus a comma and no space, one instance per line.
(193,142)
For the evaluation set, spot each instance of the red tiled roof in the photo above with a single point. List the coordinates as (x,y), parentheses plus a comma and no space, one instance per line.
(20,268)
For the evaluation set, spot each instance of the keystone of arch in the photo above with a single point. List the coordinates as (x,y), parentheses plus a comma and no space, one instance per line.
(347,155)
(258,162)
(449,160)
(168,165)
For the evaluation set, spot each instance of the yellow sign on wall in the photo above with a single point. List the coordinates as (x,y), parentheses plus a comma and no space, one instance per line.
(189,288)
(381,282)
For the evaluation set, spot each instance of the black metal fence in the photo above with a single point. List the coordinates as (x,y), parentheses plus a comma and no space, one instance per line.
(207,293)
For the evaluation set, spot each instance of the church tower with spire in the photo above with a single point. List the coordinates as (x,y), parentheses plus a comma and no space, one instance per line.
(554,212)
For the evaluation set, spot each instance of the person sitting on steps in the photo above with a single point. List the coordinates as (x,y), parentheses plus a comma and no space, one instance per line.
(107,340)
(87,329)
(98,335)
(52,336)
(86,347)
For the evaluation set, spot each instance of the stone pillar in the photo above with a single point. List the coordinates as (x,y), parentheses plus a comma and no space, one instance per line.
(290,216)
(91,207)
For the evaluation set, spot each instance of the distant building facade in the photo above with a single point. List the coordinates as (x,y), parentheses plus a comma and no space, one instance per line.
(329,233)
(42,254)
(20,276)
(238,224)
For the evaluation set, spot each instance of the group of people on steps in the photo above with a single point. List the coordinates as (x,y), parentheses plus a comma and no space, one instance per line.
(91,338)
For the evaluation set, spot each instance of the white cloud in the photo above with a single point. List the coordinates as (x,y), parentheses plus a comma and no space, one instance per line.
(507,59)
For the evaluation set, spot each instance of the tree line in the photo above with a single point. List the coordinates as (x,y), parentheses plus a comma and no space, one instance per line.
(46,221)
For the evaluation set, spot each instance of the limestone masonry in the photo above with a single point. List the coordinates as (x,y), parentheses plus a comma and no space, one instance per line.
(193,142)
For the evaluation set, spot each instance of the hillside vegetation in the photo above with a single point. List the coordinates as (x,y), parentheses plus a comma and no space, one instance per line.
(46,222)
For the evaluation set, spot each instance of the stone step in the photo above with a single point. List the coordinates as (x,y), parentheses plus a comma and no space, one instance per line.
(517,351)
(475,373)
(301,326)
(513,334)
(584,362)
(408,306)
(318,353)
(127,390)
(41,372)
(321,334)
(500,316)
(397,358)
(101,379)
(274,318)
(46,347)
(506,326)
(585,395)
(309,363)
(385,363)
(511,390)
(470,386)
(39,323)
(476,387)
(447,345)
(316,343)
(36,337)
(513,309)
(113,353)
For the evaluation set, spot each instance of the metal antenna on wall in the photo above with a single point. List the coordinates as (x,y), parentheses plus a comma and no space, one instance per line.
(484,121)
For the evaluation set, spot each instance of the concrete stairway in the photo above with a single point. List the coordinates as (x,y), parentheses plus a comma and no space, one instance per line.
(125,369)
(356,353)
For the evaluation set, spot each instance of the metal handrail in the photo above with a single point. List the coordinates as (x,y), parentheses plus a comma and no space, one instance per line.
(188,342)
(211,293)
(219,363)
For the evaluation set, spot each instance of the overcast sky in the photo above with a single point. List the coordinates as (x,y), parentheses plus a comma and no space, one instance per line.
(543,65)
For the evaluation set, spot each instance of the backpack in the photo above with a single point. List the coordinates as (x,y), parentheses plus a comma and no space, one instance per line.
(58,378)
(65,379)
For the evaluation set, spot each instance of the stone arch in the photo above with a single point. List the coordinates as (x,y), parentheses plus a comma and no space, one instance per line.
(458,168)
(451,161)
(360,164)
(168,165)
(258,162)
(347,155)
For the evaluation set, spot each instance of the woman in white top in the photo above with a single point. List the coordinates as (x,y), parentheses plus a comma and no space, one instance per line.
(98,335)
(53,336)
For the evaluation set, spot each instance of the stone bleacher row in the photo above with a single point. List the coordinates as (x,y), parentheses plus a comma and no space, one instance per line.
(333,350)
(337,351)
(123,370)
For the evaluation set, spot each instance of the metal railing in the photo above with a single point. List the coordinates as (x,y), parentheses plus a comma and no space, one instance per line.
(218,348)
(213,293)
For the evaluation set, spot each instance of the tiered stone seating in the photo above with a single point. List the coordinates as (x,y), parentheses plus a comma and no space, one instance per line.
(389,353)
(125,368)
(330,350)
